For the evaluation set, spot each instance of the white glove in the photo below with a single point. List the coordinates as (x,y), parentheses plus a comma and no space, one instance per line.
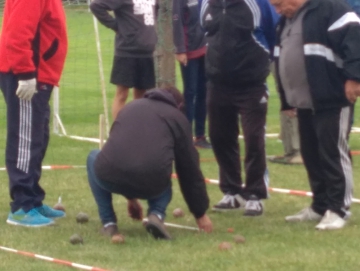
(26,89)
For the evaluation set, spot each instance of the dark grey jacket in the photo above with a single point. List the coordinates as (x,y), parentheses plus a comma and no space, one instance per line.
(148,135)
(134,24)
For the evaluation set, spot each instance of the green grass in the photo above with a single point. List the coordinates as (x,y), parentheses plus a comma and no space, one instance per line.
(271,244)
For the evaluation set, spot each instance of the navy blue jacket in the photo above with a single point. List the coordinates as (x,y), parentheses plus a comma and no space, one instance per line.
(240,36)
(188,35)
(331,35)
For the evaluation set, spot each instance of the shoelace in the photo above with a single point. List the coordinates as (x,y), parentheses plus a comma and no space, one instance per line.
(32,212)
(228,199)
(253,205)
(225,199)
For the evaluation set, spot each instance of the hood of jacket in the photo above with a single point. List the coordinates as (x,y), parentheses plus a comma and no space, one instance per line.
(161,95)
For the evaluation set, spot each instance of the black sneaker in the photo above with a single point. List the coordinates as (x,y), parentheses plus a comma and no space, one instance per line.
(202,143)
(109,229)
(253,207)
(229,203)
(156,227)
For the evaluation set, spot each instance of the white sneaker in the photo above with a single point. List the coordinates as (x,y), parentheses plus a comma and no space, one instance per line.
(229,203)
(307,214)
(253,207)
(331,221)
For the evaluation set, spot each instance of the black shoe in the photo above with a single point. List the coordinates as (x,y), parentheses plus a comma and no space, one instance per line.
(156,228)
(109,230)
(253,207)
(202,143)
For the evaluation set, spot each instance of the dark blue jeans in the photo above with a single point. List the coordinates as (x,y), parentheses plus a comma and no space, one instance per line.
(102,192)
(194,81)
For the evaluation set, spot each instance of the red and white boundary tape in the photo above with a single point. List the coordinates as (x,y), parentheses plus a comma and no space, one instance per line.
(53,260)
(212,181)
(277,190)
(300,193)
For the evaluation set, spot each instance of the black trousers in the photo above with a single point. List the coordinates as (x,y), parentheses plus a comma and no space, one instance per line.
(224,109)
(27,141)
(325,151)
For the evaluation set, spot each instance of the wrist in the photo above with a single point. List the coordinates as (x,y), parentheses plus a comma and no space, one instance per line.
(26,76)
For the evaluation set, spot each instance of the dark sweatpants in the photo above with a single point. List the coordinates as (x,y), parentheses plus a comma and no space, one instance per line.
(224,109)
(27,141)
(325,151)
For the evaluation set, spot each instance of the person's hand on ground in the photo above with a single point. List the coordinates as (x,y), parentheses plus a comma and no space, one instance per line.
(135,209)
(204,223)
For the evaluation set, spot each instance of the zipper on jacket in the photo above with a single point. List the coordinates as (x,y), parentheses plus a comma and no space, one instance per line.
(224,6)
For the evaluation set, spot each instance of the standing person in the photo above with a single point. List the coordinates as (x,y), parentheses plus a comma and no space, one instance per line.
(190,49)
(33,48)
(137,160)
(289,134)
(323,38)
(135,40)
(240,36)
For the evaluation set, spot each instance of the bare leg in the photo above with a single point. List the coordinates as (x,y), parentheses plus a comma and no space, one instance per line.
(119,99)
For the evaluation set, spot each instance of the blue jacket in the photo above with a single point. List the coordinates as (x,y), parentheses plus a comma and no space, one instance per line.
(355,5)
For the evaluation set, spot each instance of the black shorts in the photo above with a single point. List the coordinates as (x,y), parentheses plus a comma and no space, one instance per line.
(133,72)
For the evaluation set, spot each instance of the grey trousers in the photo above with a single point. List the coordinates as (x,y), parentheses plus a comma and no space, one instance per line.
(289,134)
(289,128)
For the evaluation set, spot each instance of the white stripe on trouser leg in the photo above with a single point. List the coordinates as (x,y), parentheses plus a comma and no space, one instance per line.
(344,154)
(25,125)
(21,136)
(267,182)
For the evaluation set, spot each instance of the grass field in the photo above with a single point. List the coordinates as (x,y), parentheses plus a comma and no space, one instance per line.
(271,244)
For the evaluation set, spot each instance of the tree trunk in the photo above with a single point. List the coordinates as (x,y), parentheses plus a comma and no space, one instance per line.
(164,55)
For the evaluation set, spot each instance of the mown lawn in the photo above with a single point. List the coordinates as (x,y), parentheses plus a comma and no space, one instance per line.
(271,244)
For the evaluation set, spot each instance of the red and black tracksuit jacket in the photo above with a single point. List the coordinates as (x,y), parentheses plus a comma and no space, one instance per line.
(42,52)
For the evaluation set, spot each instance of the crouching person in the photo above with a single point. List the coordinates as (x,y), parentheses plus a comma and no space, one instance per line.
(148,135)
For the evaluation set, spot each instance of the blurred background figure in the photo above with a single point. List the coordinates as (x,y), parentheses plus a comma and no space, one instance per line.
(135,38)
(190,49)
(289,134)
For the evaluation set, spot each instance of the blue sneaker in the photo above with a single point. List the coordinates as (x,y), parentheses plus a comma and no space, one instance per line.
(30,219)
(49,212)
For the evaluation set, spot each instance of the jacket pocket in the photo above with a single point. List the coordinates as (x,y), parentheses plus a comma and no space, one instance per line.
(49,53)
